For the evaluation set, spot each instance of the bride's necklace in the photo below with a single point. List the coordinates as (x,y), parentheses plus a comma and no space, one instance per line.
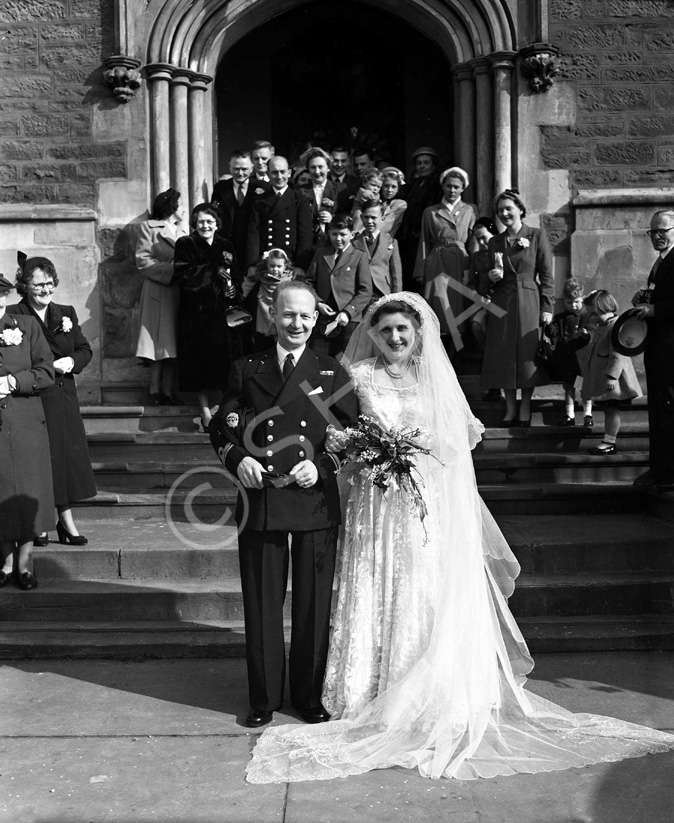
(395,375)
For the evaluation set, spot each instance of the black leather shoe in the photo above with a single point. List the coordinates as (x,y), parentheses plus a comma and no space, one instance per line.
(258,717)
(523,424)
(588,421)
(314,714)
(41,540)
(567,421)
(508,422)
(27,581)
(5,578)
(603,449)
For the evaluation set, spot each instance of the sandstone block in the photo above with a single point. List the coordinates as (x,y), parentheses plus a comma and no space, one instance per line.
(624,153)
(87,8)
(9,63)
(666,155)
(565,9)
(614,129)
(45,125)
(565,158)
(78,194)
(17,150)
(59,33)
(639,8)
(75,54)
(580,67)
(86,151)
(96,169)
(19,40)
(659,39)
(561,137)
(596,178)
(15,106)
(594,9)
(651,126)
(595,37)
(27,86)
(649,177)
(48,172)
(607,98)
(663,98)
(28,194)
(80,126)
(24,11)
(639,74)
(7,174)
(65,233)
(620,58)
(8,128)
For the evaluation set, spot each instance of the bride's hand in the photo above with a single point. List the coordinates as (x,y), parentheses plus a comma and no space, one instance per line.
(335,440)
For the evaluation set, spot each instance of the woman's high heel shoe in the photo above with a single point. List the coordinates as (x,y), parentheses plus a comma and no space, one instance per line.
(66,537)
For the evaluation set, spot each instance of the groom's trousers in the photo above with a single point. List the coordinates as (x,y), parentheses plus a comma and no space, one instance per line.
(264,561)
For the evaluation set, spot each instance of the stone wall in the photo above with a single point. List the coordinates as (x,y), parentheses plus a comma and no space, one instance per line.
(619,57)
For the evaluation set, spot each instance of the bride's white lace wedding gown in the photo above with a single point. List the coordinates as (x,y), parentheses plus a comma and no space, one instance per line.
(427,667)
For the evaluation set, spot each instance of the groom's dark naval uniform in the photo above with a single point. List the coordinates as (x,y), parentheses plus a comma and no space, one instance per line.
(286,422)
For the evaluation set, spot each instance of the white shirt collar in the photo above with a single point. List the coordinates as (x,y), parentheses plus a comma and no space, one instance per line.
(282,353)
(279,192)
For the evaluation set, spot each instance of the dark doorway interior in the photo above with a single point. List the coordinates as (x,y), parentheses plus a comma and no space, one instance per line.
(334,72)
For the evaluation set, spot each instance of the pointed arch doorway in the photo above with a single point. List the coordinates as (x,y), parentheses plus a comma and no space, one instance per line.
(337,72)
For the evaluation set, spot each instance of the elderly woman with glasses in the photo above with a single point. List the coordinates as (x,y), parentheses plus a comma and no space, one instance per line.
(72,475)
(26,498)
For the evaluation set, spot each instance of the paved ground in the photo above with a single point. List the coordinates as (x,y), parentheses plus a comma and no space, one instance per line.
(130,742)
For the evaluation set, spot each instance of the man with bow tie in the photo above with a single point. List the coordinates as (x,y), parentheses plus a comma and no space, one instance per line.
(280,219)
(381,249)
(659,352)
(270,433)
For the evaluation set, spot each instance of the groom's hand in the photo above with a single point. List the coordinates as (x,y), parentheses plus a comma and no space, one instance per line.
(305,474)
(249,472)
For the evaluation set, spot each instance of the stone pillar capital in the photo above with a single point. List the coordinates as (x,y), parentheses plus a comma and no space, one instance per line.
(159,71)
(479,65)
(502,60)
(200,81)
(182,76)
(121,74)
(462,71)
(540,65)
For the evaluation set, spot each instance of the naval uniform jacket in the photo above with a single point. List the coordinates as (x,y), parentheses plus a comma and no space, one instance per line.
(281,423)
(280,223)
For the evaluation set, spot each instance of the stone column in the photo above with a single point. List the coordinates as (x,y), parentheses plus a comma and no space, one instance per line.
(159,76)
(180,146)
(484,119)
(464,145)
(502,64)
(201,177)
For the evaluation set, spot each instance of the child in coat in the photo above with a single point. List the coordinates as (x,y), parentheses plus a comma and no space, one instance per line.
(258,291)
(608,377)
(570,331)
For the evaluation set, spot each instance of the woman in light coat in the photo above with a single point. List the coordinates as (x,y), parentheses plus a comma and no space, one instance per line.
(160,296)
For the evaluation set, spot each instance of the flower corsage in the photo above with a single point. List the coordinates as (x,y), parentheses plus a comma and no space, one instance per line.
(66,325)
(11,337)
(522,243)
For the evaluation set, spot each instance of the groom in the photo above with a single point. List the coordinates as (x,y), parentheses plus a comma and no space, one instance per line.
(270,432)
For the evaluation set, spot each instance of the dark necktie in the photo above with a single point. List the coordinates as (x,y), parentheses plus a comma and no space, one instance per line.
(338,256)
(288,366)
(239,195)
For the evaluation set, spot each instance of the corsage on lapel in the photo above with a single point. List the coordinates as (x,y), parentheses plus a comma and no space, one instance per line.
(522,243)
(65,326)
(11,335)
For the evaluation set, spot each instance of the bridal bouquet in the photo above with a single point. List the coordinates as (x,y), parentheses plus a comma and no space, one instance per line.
(388,456)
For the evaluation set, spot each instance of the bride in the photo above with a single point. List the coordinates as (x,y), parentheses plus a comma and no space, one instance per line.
(427,666)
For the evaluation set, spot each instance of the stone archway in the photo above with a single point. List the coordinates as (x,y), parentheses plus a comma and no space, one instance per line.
(188,41)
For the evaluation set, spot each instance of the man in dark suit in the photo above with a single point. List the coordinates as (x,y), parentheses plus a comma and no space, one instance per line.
(381,250)
(261,154)
(281,219)
(271,428)
(341,276)
(659,353)
(235,197)
(347,184)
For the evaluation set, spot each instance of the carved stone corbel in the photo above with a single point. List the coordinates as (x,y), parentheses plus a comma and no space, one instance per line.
(122,74)
(540,65)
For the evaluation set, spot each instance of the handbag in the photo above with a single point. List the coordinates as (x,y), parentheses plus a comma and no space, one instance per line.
(545,352)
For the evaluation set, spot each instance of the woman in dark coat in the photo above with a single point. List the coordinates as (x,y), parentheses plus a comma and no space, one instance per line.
(210,283)
(72,474)
(26,497)
(524,289)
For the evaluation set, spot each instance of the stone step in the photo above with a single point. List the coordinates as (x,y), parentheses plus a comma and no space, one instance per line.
(623,593)
(546,439)
(220,639)
(544,545)
(181,505)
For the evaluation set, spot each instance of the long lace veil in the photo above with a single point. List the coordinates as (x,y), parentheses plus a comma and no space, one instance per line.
(462,710)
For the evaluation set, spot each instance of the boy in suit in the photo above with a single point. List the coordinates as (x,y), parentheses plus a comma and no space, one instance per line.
(382,251)
(271,427)
(340,273)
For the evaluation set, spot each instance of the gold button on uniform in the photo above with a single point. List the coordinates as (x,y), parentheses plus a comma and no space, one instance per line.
(270,453)
(302,438)
(303,423)
(270,437)
(270,468)
(301,454)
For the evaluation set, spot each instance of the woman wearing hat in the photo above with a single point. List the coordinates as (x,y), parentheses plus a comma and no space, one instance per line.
(442,256)
(423,191)
(160,295)
(524,290)
(26,497)
(72,475)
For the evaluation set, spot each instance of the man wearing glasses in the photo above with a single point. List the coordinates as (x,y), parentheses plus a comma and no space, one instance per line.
(656,306)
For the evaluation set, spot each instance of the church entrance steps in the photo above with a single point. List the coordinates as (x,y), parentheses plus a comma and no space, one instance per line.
(139,418)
